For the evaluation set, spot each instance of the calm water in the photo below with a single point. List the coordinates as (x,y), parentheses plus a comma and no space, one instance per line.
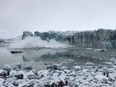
(39,59)
(7,58)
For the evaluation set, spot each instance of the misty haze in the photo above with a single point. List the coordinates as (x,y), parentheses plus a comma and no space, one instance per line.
(57,43)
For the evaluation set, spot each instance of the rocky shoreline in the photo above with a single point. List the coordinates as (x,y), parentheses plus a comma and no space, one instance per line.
(60,76)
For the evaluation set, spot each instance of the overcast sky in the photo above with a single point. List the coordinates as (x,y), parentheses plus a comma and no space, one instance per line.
(60,15)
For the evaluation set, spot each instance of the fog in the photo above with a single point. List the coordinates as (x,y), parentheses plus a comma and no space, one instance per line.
(32,42)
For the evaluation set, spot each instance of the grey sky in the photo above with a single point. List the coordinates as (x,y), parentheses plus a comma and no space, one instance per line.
(60,15)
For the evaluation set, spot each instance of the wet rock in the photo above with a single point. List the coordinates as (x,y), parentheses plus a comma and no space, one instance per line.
(54,67)
(20,76)
(16,84)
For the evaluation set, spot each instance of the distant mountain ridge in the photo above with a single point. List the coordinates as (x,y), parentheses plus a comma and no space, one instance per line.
(101,38)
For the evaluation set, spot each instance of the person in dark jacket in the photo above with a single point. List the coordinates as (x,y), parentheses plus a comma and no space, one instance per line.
(61,84)
(66,82)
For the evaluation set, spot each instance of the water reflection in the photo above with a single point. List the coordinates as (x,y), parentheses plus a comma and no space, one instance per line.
(40,58)
(7,58)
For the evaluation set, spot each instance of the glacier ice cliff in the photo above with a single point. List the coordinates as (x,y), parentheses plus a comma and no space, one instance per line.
(101,38)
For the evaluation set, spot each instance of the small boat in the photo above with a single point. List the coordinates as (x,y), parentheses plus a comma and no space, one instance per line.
(14,52)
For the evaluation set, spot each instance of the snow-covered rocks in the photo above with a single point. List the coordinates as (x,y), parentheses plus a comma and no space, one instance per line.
(1,82)
(3,73)
(77,67)
(77,76)
(101,78)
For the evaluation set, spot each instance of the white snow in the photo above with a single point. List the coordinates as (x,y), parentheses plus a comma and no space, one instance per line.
(100,78)
(2,71)
(83,77)
(1,82)
(77,67)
